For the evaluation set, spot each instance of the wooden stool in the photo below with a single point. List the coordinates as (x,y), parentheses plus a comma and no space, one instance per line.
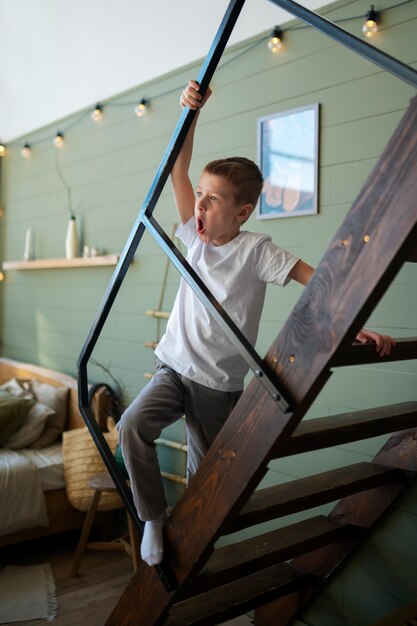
(102,483)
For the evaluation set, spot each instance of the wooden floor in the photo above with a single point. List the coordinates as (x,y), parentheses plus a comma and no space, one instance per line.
(88,599)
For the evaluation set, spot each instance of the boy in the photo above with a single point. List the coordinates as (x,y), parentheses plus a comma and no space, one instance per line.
(199,372)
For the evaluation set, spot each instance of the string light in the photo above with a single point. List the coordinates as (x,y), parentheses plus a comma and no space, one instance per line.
(275,41)
(142,108)
(59,140)
(369,28)
(370,25)
(26,151)
(97,114)
(2,277)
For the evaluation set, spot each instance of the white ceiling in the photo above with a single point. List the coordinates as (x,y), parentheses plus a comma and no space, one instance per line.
(59,57)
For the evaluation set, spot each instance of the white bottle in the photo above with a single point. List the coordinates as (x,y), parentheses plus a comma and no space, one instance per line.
(71,240)
(28,253)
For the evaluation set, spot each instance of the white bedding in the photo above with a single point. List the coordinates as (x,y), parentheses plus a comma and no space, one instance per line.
(24,475)
(50,464)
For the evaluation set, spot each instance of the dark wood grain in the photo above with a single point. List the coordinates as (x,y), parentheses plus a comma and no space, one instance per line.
(411,251)
(239,560)
(335,430)
(360,263)
(362,353)
(364,510)
(239,597)
(306,493)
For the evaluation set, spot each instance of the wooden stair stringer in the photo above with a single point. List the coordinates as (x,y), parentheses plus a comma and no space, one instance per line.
(364,510)
(353,270)
(362,259)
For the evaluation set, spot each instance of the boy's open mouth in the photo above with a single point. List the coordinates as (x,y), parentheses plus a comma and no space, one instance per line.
(200,226)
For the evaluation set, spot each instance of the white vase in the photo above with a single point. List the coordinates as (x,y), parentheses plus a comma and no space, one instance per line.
(71,240)
(28,252)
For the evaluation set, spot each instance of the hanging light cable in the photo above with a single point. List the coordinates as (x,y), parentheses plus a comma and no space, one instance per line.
(369,28)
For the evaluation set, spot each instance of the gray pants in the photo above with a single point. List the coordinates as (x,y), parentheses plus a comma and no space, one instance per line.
(164,400)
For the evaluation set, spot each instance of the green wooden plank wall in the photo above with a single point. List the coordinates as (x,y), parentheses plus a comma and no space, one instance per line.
(45,315)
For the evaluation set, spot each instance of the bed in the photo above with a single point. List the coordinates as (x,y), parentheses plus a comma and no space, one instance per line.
(37,476)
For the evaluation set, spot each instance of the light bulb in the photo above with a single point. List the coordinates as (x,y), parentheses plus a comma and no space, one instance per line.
(97,114)
(3,150)
(59,140)
(141,108)
(275,42)
(26,151)
(2,277)
(370,25)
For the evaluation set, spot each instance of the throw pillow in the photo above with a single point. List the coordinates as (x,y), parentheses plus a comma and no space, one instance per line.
(56,398)
(13,412)
(31,428)
(14,388)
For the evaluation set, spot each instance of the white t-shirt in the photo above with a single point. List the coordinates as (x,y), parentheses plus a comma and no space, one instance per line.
(236,273)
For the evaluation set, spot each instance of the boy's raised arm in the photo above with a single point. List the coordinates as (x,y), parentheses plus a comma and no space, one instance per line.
(181,184)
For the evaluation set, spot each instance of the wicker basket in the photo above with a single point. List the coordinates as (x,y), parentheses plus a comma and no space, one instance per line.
(82,460)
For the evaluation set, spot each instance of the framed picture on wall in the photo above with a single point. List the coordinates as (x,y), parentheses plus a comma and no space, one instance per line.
(288,150)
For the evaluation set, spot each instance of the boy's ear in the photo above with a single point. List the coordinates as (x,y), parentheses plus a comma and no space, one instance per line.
(244,213)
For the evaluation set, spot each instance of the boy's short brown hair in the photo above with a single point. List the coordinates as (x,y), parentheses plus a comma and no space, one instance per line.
(243,174)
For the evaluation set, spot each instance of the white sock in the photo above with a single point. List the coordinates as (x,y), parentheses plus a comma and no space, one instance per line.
(152,546)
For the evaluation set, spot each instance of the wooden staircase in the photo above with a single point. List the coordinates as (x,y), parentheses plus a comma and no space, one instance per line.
(376,238)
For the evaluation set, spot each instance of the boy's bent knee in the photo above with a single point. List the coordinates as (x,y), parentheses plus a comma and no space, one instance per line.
(138,423)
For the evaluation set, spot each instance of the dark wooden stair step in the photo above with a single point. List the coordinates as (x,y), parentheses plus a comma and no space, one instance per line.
(411,251)
(335,430)
(361,353)
(239,597)
(241,559)
(412,255)
(306,493)
(341,295)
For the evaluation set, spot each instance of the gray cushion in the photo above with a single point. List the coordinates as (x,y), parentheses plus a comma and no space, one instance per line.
(56,398)
(13,412)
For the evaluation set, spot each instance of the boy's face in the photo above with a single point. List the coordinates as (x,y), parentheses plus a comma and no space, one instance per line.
(218,216)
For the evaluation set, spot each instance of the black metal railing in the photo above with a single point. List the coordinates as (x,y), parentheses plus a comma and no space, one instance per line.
(145,220)
(385,61)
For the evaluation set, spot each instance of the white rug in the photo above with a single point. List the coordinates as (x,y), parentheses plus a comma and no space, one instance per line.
(27,593)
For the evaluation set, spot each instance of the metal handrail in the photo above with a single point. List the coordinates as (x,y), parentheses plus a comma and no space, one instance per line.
(146,221)
(205,75)
(385,61)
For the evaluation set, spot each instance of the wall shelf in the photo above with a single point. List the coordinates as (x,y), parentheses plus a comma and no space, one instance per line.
(46,264)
